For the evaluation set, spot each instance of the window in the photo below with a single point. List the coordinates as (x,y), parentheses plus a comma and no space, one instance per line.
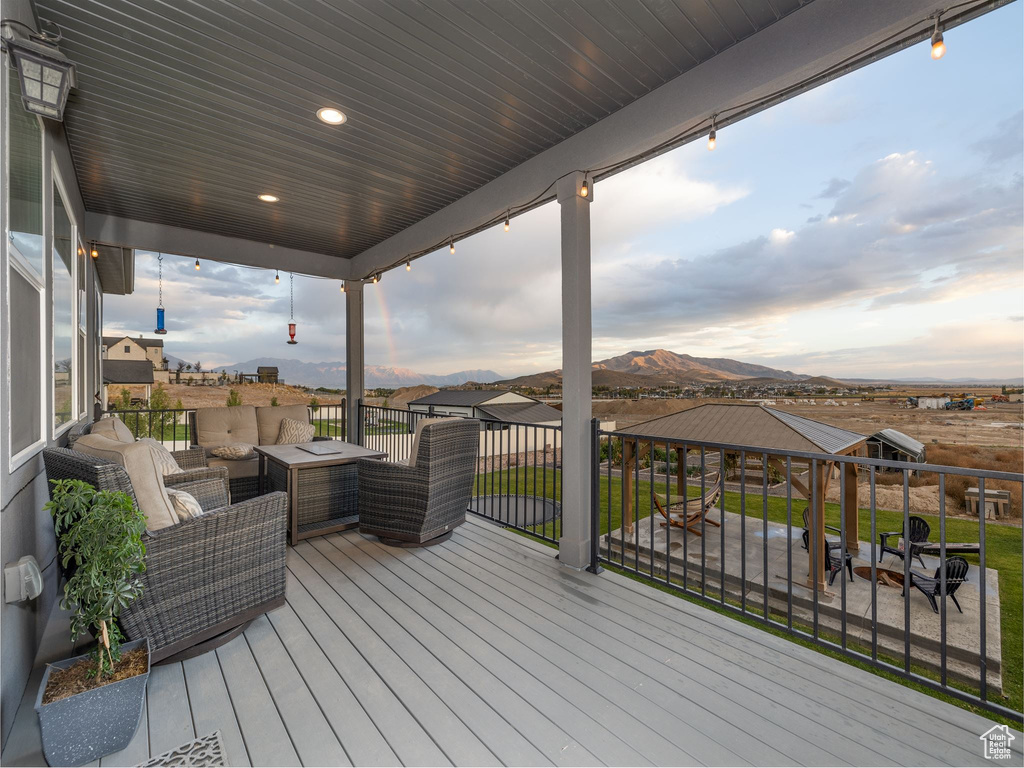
(127,347)
(25,274)
(64,316)
(26,179)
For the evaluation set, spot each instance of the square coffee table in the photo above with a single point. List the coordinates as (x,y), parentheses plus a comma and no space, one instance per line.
(323,490)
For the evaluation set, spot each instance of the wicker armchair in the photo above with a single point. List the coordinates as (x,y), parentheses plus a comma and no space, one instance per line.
(421,504)
(205,578)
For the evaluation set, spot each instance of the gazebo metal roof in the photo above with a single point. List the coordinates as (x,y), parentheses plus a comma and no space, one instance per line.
(750,424)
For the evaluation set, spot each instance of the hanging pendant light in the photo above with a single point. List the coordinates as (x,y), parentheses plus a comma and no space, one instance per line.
(160,302)
(291,304)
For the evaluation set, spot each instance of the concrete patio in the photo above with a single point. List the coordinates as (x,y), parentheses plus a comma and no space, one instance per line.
(787,569)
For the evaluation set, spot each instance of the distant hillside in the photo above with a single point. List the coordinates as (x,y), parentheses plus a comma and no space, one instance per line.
(332,374)
(660,367)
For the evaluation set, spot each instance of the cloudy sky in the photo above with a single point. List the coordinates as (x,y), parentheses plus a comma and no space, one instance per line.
(872,227)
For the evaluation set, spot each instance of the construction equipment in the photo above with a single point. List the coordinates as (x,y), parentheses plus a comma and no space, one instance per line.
(961,404)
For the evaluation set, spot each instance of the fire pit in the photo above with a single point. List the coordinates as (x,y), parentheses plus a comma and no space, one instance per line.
(883,576)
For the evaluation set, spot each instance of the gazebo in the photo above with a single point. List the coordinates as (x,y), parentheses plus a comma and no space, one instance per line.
(773,431)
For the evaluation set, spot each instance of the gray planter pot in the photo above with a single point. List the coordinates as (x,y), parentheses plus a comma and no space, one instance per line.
(90,725)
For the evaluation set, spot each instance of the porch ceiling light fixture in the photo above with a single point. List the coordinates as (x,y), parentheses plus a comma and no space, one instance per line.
(331,115)
(46,74)
(266,198)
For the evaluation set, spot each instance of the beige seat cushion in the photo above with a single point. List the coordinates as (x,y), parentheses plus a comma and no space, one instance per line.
(165,459)
(236,468)
(234,451)
(113,428)
(141,462)
(295,432)
(223,426)
(420,425)
(269,418)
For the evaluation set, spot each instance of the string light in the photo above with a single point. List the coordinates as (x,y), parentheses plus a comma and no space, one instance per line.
(376,278)
(344,288)
(94,253)
(197,265)
(738,111)
(938,46)
(277,277)
(408,266)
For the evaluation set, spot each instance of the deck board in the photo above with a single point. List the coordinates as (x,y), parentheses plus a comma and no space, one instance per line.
(211,705)
(486,651)
(169,715)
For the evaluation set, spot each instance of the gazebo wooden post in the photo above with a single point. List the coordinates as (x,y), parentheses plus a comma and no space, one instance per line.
(852,511)
(816,550)
(680,472)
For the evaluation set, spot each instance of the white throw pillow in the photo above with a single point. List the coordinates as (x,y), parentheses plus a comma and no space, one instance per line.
(185,504)
(234,451)
(293,432)
(164,458)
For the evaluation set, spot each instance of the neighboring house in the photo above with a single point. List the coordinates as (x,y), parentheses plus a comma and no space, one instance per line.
(895,446)
(140,348)
(490,404)
(126,374)
(266,374)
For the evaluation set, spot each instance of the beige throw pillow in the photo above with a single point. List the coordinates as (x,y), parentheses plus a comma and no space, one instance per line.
(293,432)
(140,462)
(234,451)
(113,428)
(164,458)
(186,506)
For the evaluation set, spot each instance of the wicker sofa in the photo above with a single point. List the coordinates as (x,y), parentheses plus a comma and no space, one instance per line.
(206,578)
(421,503)
(213,427)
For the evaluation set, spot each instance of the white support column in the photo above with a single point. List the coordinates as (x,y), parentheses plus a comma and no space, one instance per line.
(354,359)
(574,546)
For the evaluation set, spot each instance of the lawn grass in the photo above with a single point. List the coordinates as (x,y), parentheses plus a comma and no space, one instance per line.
(1003,544)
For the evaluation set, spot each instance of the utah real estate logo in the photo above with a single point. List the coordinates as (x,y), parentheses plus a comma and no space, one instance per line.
(997,742)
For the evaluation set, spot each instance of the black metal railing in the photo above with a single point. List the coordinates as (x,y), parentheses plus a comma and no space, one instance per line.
(683,515)
(173,426)
(518,482)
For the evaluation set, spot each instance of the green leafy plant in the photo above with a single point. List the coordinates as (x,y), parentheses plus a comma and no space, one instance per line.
(234,397)
(314,404)
(100,533)
(273,402)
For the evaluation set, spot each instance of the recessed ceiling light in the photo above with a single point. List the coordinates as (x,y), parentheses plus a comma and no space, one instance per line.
(269,198)
(331,115)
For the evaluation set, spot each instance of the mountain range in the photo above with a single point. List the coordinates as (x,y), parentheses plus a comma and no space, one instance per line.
(332,374)
(660,367)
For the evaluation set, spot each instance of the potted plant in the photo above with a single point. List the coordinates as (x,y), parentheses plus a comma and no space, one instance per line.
(90,706)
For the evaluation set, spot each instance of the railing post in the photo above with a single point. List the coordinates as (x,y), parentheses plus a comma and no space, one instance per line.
(360,423)
(595,497)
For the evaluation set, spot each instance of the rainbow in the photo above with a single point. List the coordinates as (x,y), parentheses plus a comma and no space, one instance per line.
(385,316)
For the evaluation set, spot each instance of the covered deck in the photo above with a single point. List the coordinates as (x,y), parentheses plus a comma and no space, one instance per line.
(484,651)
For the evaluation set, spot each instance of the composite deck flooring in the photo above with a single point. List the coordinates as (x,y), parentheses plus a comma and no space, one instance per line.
(484,651)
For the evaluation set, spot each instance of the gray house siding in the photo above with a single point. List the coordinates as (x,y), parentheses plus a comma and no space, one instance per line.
(25,528)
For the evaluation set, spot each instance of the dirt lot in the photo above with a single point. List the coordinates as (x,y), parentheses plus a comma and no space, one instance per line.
(252,394)
(1001,425)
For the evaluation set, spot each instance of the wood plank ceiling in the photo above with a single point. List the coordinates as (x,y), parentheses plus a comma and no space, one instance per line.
(186,111)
